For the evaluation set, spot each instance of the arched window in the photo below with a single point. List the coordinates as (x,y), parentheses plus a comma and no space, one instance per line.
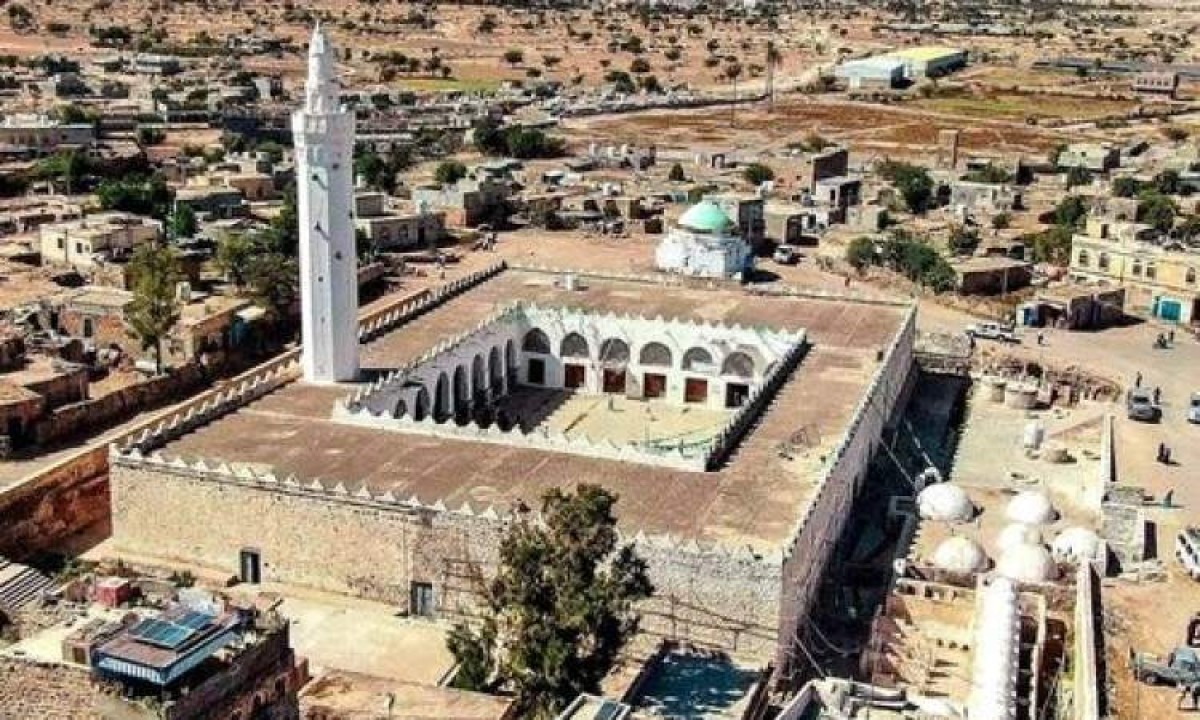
(1190,277)
(1103,263)
(614,350)
(698,360)
(739,364)
(655,353)
(1137,268)
(536,342)
(1083,258)
(574,346)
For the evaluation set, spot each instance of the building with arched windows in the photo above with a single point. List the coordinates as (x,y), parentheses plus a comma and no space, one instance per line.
(735,428)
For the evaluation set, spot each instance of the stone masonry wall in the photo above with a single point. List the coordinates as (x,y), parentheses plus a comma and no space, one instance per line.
(44,691)
(340,541)
(62,501)
(821,524)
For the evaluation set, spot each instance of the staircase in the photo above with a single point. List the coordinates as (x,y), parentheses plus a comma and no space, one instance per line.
(20,585)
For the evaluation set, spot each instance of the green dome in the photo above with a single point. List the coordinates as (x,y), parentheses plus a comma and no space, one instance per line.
(706,217)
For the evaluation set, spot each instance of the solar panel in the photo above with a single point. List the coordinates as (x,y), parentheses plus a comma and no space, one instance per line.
(171,634)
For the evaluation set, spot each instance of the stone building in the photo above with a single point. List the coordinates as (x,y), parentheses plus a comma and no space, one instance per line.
(620,382)
(705,242)
(91,240)
(388,229)
(735,428)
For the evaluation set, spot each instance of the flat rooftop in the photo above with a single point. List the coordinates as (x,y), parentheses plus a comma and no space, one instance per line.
(753,499)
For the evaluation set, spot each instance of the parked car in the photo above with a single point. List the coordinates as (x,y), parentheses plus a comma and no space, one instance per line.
(1139,405)
(1180,668)
(786,255)
(993,331)
(1193,412)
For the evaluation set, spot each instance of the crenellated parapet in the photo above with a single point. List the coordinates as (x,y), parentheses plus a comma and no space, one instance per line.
(324,490)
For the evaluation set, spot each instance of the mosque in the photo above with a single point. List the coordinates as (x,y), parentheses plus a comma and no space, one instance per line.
(705,242)
(388,456)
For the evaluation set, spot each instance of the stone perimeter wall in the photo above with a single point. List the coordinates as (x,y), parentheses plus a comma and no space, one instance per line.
(376,546)
(72,495)
(821,524)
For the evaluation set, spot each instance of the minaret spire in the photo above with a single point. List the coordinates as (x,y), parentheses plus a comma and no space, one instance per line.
(321,89)
(324,137)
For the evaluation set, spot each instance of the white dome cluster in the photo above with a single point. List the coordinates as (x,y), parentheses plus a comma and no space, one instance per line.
(1017,534)
(1031,507)
(960,555)
(1027,563)
(1076,545)
(945,502)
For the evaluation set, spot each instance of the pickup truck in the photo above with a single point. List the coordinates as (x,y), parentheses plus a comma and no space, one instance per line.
(992,331)
(1181,667)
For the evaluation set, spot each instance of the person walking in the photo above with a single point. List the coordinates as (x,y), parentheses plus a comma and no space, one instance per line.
(1137,381)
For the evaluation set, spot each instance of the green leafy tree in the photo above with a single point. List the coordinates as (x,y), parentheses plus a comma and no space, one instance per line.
(68,167)
(989,173)
(1052,246)
(183,221)
(234,253)
(860,253)
(1070,212)
(274,280)
(561,607)
(913,182)
(1077,176)
(138,195)
(676,173)
(963,240)
(1001,221)
(283,235)
(757,174)
(373,170)
(1167,182)
(1126,187)
(1157,210)
(449,172)
(154,310)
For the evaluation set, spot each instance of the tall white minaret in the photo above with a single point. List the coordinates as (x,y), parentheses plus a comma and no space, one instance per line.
(324,137)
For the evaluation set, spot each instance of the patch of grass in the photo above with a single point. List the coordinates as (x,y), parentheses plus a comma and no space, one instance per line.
(1018,107)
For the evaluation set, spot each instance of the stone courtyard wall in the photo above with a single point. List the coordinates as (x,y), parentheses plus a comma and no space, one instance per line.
(347,541)
(821,524)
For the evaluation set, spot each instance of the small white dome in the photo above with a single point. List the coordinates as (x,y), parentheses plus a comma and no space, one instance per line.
(945,502)
(1017,534)
(960,554)
(1076,544)
(1027,563)
(1031,507)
